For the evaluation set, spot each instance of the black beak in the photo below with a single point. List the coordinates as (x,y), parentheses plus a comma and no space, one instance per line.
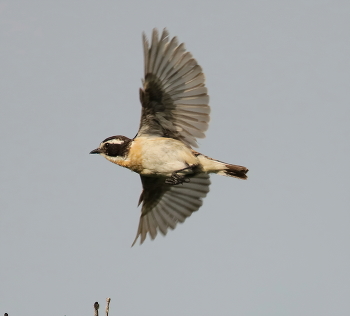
(96,151)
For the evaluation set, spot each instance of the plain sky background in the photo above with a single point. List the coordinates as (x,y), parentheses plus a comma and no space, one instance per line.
(278,78)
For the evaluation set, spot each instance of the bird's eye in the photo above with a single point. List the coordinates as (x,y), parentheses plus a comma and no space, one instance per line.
(107,145)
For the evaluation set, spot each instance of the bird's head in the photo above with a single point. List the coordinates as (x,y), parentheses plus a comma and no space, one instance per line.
(113,147)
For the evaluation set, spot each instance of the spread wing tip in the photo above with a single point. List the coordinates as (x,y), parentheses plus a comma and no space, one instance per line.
(165,206)
(147,228)
(175,102)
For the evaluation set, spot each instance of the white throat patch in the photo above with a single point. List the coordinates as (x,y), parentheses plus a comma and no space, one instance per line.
(114,159)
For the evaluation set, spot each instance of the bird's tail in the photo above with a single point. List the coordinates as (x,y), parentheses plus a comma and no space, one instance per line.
(234,171)
(211,165)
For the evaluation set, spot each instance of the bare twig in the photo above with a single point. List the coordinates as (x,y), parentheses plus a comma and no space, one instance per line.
(96,307)
(107,306)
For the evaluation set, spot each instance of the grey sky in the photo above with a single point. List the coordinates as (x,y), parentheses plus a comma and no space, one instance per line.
(277,244)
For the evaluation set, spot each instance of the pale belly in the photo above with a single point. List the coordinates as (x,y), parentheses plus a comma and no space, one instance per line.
(160,156)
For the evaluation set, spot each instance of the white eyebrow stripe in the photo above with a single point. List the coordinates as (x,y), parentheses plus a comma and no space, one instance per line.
(116,141)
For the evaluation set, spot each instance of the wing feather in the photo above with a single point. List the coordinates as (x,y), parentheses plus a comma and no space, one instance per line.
(193,92)
(161,222)
(194,82)
(174,96)
(145,52)
(153,50)
(152,224)
(163,205)
(167,58)
(162,42)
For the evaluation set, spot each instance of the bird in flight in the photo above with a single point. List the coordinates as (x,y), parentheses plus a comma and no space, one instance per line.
(175,112)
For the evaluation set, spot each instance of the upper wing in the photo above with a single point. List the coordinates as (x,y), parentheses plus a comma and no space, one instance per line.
(163,206)
(174,98)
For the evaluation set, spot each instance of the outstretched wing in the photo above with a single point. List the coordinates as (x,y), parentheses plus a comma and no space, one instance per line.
(174,98)
(163,205)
